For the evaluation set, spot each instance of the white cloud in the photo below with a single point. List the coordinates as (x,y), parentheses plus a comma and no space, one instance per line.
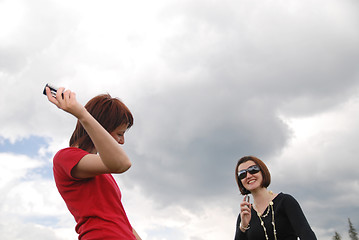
(30,206)
(11,16)
(14,167)
(326,142)
(213,220)
(319,166)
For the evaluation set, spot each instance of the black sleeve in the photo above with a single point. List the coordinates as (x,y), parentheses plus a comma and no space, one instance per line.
(239,234)
(298,220)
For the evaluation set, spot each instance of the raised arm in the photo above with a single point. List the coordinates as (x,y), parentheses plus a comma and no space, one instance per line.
(136,234)
(111,157)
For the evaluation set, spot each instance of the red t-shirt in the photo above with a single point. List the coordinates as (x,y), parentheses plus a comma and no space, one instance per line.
(95,202)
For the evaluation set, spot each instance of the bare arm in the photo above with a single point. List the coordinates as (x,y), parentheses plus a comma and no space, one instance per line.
(111,159)
(136,235)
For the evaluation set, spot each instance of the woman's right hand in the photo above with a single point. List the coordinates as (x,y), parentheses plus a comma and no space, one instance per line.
(245,213)
(66,100)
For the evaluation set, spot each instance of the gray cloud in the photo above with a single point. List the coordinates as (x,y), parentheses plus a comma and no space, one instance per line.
(231,87)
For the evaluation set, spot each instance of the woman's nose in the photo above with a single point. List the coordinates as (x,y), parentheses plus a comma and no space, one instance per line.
(249,175)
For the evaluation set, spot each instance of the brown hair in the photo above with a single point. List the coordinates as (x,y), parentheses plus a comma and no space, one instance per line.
(264,170)
(109,112)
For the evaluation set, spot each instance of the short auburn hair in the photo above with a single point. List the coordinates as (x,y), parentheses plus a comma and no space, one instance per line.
(109,112)
(263,168)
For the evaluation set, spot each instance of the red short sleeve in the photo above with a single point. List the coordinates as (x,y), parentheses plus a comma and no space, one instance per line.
(65,160)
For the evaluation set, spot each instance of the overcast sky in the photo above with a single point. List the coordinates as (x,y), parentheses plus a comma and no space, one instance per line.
(207,82)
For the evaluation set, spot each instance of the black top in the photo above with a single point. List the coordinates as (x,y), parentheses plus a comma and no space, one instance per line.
(289,219)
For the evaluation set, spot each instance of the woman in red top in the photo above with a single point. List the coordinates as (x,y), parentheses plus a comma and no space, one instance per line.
(82,172)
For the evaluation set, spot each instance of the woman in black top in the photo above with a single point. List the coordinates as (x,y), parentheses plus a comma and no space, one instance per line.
(272,216)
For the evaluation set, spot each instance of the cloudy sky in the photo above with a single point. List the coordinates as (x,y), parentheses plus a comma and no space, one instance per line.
(208,82)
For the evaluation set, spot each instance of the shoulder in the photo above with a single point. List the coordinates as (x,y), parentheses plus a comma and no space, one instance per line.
(287,200)
(287,197)
(65,160)
(70,152)
(68,157)
(284,198)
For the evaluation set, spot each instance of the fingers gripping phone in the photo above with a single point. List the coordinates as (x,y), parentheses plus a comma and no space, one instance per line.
(52,89)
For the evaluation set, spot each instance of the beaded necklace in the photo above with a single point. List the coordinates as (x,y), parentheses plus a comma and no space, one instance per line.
(273,223)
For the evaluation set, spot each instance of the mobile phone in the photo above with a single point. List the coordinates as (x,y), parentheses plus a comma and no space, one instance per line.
(52,89)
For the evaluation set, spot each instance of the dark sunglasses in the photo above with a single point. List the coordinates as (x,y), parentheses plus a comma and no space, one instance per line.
(252,170)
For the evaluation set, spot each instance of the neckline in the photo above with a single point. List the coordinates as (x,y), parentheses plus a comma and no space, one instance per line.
(267,208)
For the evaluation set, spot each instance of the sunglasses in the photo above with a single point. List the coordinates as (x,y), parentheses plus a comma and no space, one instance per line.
(252,170)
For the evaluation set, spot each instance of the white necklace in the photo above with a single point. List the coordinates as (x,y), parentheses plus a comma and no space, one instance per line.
(273,222)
